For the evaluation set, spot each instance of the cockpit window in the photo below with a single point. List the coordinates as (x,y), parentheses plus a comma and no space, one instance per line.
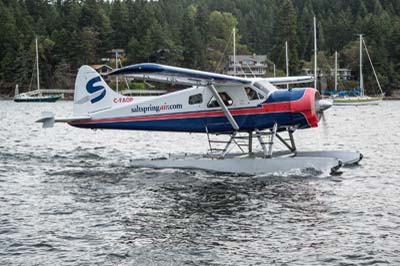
(225,98)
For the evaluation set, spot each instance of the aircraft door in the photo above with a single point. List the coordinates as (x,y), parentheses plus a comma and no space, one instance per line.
(215,117)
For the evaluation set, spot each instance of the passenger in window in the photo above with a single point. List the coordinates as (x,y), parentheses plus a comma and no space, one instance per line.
(224,98)
(251,94)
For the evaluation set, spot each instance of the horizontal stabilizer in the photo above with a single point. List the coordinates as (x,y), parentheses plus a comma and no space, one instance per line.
(48,119)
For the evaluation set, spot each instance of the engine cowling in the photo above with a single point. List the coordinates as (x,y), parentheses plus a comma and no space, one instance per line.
(305,107)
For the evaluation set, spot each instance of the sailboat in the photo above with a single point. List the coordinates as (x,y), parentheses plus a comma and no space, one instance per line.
(35,96)
(360,99)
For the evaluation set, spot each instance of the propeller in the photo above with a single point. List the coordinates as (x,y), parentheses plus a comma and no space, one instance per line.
(321,105)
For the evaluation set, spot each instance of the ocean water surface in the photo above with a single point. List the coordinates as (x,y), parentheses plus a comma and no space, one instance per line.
(69,197)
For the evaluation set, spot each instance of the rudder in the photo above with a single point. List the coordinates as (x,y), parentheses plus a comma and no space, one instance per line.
(92,94)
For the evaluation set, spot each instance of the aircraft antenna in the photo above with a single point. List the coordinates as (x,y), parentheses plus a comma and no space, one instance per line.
(251,71)
(241,68)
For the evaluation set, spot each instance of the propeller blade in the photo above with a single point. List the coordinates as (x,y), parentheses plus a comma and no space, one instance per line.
(324,104)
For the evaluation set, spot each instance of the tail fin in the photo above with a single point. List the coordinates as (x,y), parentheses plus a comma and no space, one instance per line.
(92,94)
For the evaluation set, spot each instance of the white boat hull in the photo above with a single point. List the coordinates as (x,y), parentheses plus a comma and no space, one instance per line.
(352,101)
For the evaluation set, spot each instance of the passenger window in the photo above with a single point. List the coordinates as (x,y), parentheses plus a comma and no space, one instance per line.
(196,99)
(251,94)
(225,98)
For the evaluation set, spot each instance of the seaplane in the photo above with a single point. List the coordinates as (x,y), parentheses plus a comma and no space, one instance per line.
(243,111)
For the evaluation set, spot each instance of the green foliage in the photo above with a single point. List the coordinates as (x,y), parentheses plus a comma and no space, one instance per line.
(195,34)
(286,31)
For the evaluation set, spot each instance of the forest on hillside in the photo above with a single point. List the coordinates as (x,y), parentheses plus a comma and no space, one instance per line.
(194,34)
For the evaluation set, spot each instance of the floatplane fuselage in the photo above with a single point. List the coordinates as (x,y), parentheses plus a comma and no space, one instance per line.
(212,103)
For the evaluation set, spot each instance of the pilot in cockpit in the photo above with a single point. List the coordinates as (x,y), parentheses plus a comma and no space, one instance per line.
(251,94)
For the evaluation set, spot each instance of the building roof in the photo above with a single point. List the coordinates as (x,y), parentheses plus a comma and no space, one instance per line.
(249,57)
(98,66)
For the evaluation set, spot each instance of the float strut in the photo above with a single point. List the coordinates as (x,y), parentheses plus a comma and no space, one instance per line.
(250,142)
(272,137)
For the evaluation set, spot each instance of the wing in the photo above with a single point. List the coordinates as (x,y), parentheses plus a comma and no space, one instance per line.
(177,75)
(186,76)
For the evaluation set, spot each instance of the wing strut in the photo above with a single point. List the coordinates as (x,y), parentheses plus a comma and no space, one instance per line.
(224,108)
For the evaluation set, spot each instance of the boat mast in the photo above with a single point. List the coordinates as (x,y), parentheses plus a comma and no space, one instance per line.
(116,67)
(274,71)
(287,62)
(361,60)
(373,68)
(37,67)
(336,70)
(234,51)
(315,53)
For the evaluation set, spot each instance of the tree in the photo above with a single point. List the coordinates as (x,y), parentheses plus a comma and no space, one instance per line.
(8,43)
(119,20)
(193,51)
(89,42)
(220,26)
(285,30)
(193,33)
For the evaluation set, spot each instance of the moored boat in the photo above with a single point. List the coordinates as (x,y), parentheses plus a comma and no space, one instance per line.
(361,98)
(24,97)
(357,100)
(37,95)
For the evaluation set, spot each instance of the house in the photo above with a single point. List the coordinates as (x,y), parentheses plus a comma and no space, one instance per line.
(248,65)
(310,72)
(343,73)
(102,69)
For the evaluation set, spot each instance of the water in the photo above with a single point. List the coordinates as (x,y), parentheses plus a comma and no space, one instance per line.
(69,197)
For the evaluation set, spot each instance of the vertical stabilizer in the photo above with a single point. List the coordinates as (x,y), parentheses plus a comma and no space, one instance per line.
(92,94)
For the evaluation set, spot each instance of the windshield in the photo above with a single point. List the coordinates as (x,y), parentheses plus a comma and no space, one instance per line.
(264,86)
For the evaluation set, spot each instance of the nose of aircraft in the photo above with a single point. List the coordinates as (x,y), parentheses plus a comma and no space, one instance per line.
(312,106)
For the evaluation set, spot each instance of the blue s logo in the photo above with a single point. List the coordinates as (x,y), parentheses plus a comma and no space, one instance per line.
(91,88)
